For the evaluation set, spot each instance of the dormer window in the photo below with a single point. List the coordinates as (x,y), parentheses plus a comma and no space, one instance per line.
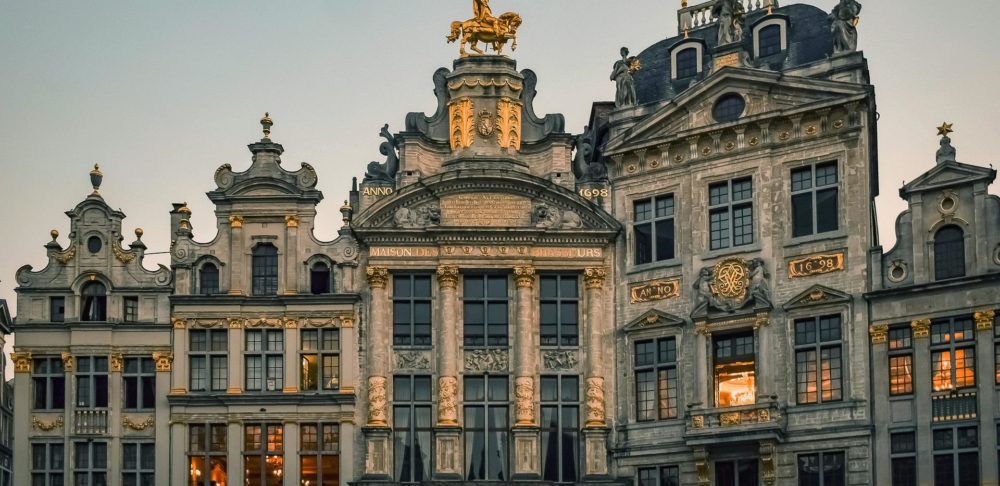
(949,253)
(687,63)
(319,278)
(265,270)
(95,302)
(770,37)
(208,279)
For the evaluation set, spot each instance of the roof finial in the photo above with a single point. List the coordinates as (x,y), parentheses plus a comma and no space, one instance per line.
(684,3)
(946,153)
(945,129)
(267,123)
(95,180)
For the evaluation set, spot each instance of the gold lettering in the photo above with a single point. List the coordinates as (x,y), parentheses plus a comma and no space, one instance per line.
(656,290)
(816,265)
(475,209)
(377,191)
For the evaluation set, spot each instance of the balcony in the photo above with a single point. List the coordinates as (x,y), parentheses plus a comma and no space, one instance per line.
(764,420)
(90,422)
(954,406)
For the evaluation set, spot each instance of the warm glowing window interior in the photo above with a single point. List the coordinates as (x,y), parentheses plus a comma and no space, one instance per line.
(735,370)
(953,354)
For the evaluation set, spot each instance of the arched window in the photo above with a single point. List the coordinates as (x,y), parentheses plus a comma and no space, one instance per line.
(95,302)
(208,279)
(687,63)
(769,40)
(265,270)
(319,278)
(949,253)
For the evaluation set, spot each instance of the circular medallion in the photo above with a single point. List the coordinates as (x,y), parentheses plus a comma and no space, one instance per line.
(730,279)
(898,271)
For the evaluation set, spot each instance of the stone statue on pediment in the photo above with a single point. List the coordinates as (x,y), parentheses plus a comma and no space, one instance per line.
(386,171)
(621,74)
(546,216)
(732,16)
(844,25)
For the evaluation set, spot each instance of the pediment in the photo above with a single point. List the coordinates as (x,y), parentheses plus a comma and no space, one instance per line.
(948,174)
(483,201)
(766,94)
(817,295)
(654,319)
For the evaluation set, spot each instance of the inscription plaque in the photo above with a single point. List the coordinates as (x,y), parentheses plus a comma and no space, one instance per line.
(656,290)
(816,265)
(482,210)
(489,251)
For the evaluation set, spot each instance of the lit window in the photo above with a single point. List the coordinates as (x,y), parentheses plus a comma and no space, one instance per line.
(900,361)
(730,213)
(320,359)
(263,460)
(653,229)
(818,363)
(687,63)
(207,455)
(735,372)
(319,453)
(769,40)
(656,379)
(949,253)
(953,354)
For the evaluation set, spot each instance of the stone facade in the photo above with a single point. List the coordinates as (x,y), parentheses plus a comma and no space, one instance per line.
(6,405)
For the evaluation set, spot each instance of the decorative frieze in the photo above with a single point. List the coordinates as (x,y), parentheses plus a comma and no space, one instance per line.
(47,426)
(138,425)
(482,360)
(413,360)
(560,360)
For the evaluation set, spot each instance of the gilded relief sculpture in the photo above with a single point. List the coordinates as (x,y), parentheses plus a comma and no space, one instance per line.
(844,25)
(621,74)
(495,32)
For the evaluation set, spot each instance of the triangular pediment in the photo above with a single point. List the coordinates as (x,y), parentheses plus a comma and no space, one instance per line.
(815,296)
(948,174)
(654,319)
(767,94)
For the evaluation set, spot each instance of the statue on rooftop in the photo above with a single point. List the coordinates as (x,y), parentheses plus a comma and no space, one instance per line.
(621,74)
(844,25)
(732,17)
(484,27)
(386,171)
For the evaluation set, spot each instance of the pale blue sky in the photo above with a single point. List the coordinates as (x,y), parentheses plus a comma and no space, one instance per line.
(162,93)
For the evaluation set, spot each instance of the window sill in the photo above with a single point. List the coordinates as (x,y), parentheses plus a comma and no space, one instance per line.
(803,240)
(645,267)
(413,347)
(736,250)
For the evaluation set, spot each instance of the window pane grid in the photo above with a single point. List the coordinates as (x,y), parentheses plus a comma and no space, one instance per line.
(486,427)
(264,360)
(262,453)
(656,379)
(411,310)
(485,310)
(139,383)
(559,310)
(687,63)
(265,270)
(654,229)
(953,354)
(814,199)
(769,40)
(319,455)
(208,359)
(320,359)
(731,202)
(818,360)
(560,423)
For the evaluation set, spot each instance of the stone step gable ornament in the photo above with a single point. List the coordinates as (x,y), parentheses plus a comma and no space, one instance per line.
(495,32)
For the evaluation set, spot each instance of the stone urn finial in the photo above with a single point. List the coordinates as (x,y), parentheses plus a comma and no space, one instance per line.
(95,180)
(267,123)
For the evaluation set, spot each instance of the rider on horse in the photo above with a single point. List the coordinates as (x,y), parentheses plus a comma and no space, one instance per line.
(483,14)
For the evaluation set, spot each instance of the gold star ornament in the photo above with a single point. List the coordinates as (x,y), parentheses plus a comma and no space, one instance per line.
(945,129)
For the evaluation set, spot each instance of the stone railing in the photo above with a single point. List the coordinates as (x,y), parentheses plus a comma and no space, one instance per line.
(956,406)
(698,16)
(763,415)
(90,422)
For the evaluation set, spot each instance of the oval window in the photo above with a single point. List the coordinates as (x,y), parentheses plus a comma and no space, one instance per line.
(729,107)
(94,244)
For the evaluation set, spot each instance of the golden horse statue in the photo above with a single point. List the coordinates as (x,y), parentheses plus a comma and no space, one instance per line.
(494,31)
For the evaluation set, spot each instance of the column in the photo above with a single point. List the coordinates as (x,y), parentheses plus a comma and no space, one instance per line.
(235,361)
(987,395)
(765,371)
(595,430)
(703,388)
(881,411)
(291,252)
(448,432)
(526,432)
(237,284)
(178,381)
(348,356)
(292,368)
(114,427)
(22,417)
(922,395)
(378,460)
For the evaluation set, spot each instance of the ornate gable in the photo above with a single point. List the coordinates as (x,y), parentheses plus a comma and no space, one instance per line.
(948,174)
(654,319)
(815,296)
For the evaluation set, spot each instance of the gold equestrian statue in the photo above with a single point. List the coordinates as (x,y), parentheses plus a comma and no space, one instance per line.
(484,27)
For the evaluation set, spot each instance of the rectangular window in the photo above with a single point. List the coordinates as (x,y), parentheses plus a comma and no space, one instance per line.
(653,229)
(319,454)
(48,378)
(956,456)
(57,309)
(823,469)
(560,310)
(730,213)
(659,476)
(207,455)
(413,425)
(903,450)
(320,359)
(735,369)
(486,310)
(47,464)
(656,379)
(92,382)
(411,310)
(818,366)
(486,427)
(131,311)
(90,463)
(953,354)
(900,361)
(138,463)
(139,383)
(742,472)
(560,403)
(208,352)
(263,459)
(814,199)
(264,360)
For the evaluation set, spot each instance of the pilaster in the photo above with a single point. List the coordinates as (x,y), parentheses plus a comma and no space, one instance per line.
(922,390)
(235,361)
(237,256)
(448,347)
(291,253)
(178,379)
(526,432)
(292,368)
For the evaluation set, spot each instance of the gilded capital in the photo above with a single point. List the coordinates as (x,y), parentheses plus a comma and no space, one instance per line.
(22,362)
(179,322)
(378,277)
(984,319)
(69,362)
(377,415)
(879,333)
(236,221)
(921,328)
(447,276)
(292,221)
(595,276)
(525,276)
(117,362)
(164,360)
(448,405)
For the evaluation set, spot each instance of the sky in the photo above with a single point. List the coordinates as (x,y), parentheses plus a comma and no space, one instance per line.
(162,93)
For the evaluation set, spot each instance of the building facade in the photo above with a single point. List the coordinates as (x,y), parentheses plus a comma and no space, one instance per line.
(92,357)
(6,405)
(935,348)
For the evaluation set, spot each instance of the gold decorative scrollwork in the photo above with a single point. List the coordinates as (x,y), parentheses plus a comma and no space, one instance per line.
(123,256)
(236,221)
(730,279)
(377,416)
(140,425)
(164,360)
(22,362)
(525,276)
(39,424)
(448,407)
(984,319)
(378,277)
(292,221)
(460,114)
(66,256)
(921,328)
(594,276)
(879,333)
(447,276)
(509,123)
